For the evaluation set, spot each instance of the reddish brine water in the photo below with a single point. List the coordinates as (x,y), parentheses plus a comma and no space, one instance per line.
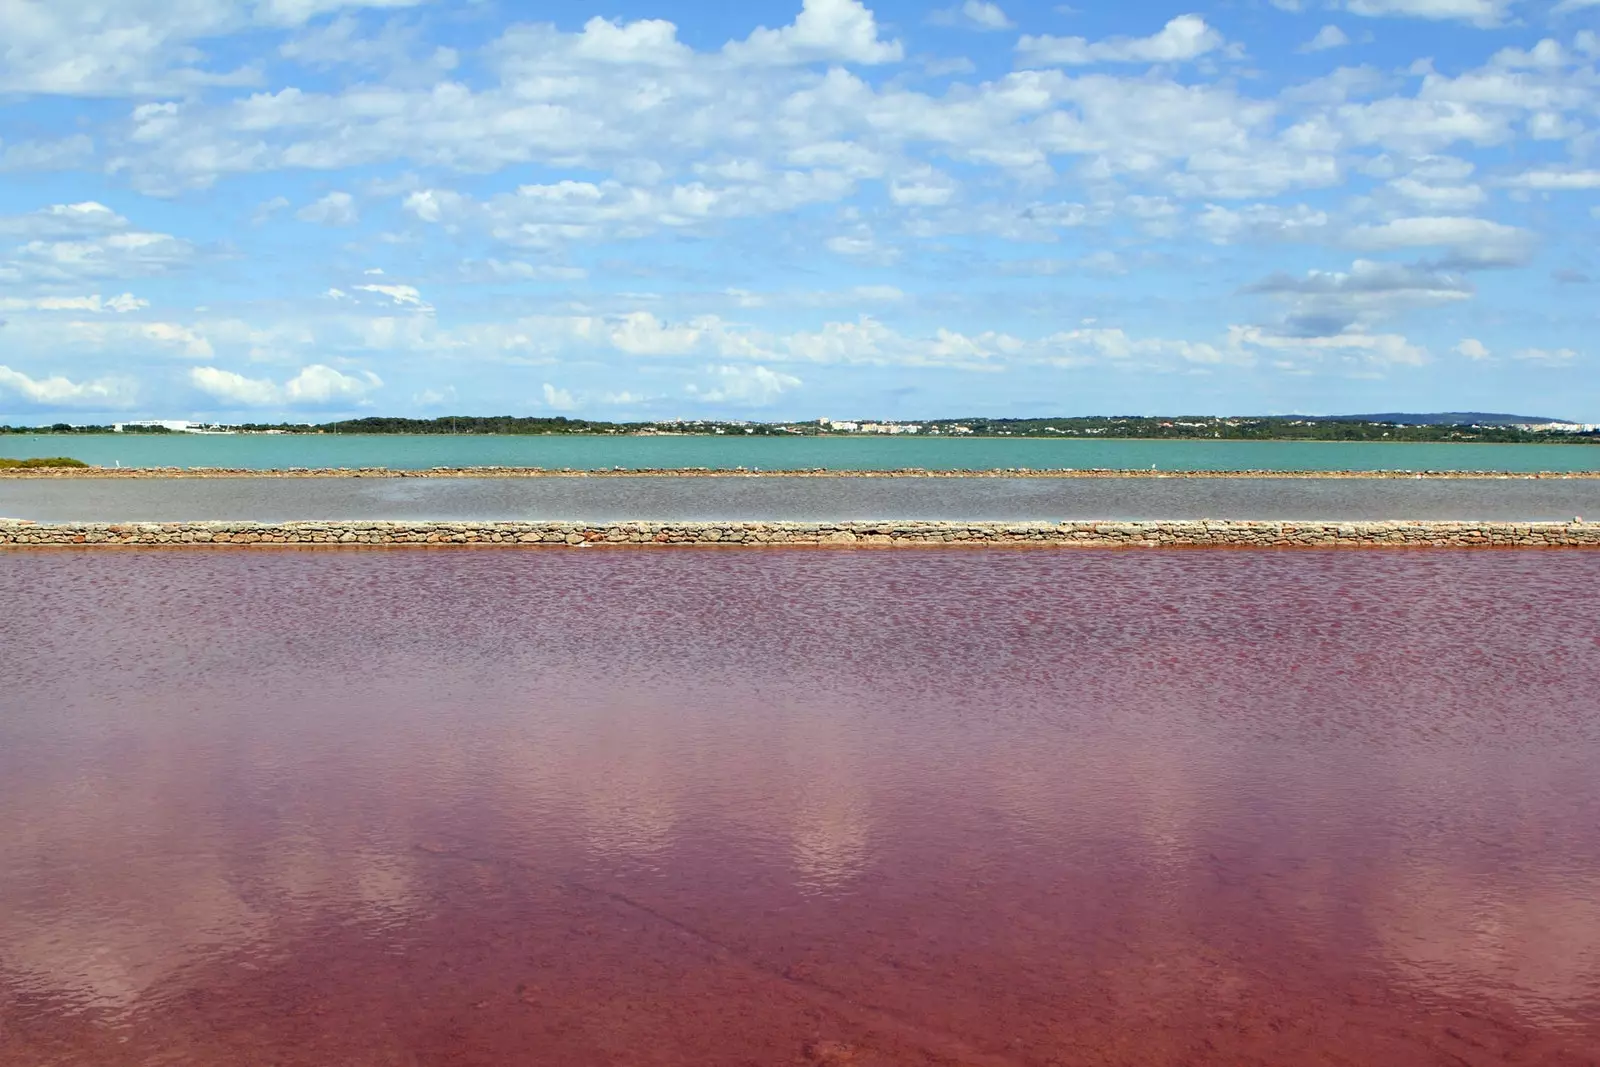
(788,807)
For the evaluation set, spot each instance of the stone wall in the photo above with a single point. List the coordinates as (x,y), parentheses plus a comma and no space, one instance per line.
(1066,534)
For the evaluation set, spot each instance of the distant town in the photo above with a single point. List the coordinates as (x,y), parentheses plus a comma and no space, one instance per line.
(1447,426)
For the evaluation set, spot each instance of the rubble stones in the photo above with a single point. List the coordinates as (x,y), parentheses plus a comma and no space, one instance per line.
(1074,534)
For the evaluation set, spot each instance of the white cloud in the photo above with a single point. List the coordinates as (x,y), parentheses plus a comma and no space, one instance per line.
(1471,242)
(1329,36)
(235,388)
(1420,126)
(299,12)
(185,339)
(1332,303)
(315,385)
(139,47)
(58,391)
(1549,357)
(268,208)
(1439,197)
(1473,349)
(1483,13)
(118,255)
(558,399)
(640,333)
(435,397)
(838,30)
(567,211)
(64,243)
(1185,37)
(335,209)
(923,187)
(1566,7)
(1262,222)
(318,384)
(62,154)
(122,304)
(753,385)
(1551,180)
(401,295)
(1364,349)
(62,220)
(973,15)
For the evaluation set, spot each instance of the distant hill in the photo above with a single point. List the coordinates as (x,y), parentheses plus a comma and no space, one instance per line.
(1438,418)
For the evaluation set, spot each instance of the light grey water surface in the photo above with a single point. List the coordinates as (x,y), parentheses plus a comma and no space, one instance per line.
(729,451)
(615,498)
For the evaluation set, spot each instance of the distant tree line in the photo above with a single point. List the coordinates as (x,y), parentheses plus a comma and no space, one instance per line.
(63,427)
(1179,427)
(1207,427)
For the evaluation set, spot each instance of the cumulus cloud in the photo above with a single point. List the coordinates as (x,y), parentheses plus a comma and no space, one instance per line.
(400,295)
(1549,357)
(121,304)
(752,385)
(62,220)
(72,242)
(1327,303)
(973,15)
(567,211)
(1554,180)
(1262,222)
(558,399)
(184,339)
(1438,197)
(1329,36)
(139,47)
(1473,349)
(1352,346)
(639,333)
(335,209)
(838,30)
(1184,38)
(59,391)
(1470,243)
(60,154)
(316,385)
(1484,13)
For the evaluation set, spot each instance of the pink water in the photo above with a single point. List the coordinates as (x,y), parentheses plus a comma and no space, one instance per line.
(790,807)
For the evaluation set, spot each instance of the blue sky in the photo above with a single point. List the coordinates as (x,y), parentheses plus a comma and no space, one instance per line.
(254,209)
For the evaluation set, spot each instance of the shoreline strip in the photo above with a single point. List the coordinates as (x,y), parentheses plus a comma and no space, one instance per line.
(1069,534)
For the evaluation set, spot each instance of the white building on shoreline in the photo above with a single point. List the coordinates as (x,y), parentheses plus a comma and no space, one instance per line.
(174,426)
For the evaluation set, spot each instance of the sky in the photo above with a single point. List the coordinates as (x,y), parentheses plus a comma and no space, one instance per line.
(253,210)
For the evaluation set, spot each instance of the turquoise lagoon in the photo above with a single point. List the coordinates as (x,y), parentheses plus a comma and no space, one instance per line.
(586,452)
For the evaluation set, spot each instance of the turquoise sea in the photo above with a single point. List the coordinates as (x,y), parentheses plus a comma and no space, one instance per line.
(785,453)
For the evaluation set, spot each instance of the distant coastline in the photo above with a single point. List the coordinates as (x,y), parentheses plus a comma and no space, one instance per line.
(1450,427)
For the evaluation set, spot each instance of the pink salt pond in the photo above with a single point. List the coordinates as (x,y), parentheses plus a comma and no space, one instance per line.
(791,807)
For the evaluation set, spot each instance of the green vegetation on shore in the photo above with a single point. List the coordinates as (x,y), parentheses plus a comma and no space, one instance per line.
(32,464)
(1485,429)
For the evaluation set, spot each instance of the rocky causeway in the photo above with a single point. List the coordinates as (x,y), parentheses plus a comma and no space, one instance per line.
(1071,534)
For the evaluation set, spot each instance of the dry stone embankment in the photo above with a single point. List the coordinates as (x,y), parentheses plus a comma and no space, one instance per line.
(1253,534)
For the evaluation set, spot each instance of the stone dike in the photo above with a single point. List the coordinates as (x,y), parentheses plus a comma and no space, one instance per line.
(1073,534)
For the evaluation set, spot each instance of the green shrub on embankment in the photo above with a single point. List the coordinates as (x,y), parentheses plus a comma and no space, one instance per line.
(47,461)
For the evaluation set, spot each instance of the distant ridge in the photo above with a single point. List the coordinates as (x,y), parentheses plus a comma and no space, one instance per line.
(1438,418)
